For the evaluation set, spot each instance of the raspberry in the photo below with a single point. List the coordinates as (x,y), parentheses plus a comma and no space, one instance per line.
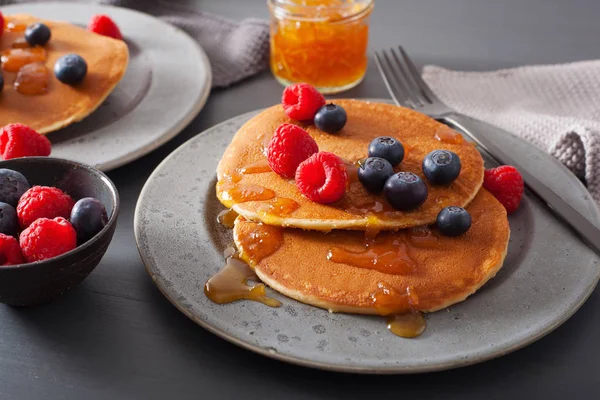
(301,101)
(289,146)
(18,140)
(10,252)
(1,23)
(47,238)
(506,184)
(322,178)
(43,202)
(103,25)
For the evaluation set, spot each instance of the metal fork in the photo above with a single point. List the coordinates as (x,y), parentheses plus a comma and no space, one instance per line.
(408,89)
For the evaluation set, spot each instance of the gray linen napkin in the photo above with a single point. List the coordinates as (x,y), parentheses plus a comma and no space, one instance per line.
(556,107)
(236,50)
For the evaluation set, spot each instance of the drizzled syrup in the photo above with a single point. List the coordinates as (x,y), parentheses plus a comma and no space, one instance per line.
(423,237)
(447,135)
(15,58)
(280,207)
(390,257)
(242,193)
(13,26)
(227,218)
(32,79)
(261,242)
(407,325)
(257,167)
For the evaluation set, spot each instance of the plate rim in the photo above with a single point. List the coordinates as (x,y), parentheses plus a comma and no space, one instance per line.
(176,128)
(304,362)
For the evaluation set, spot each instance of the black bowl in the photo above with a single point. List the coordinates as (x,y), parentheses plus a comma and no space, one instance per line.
(43,281)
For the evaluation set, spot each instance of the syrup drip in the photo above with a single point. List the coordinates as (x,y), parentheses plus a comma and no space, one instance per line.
(448,135)
(15,27)
(261,242)
(231,284)
(280,207)
(387,300)
(32,79)
(408,325)
(14,59)
(387,257)
(257,167)
(372,230)
(20,43)
(244,193)
(227,218)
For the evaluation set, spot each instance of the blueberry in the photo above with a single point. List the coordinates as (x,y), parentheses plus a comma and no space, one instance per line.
(374,172)
(1,82)
(88,217)
(9,224)
(388,148)
(405,191)
(37,34)
(441,167)
(330,118)
(12,186)
(70,69)
(453,221)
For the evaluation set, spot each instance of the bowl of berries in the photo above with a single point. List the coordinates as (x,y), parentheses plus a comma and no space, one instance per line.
(57,218)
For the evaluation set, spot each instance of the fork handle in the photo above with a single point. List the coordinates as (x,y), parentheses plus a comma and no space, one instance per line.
(500,149)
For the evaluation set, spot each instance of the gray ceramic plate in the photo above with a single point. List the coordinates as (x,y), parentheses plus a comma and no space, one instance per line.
(547,276)
(155,100)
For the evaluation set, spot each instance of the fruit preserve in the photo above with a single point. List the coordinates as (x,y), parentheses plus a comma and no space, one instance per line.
(321,42)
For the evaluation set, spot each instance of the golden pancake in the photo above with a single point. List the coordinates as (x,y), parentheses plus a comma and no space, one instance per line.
(247,184)
(63,104)
(414,269)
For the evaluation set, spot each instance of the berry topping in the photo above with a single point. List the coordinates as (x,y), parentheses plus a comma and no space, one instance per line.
(18,140)
(301,101)
(12,186)
(70,69)
(331,118)
(374,172)
(47,238)
(405,191)
(453,221)
(289,146)
(388,148)
(10,251)
(322,178)
(37,34)
(9,223)
(1,23)
(441,167)
(88,217)
(506,184)
(43,202)
(103,25)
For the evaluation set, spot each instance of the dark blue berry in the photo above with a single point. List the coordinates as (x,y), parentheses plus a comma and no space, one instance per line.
(88,217)
(12,186)
(374,172)
(70,69)
(37,34)
(1,82)
(405,191)
(9,224)
(331,118)
(441,167)
(388,148)
(453,221)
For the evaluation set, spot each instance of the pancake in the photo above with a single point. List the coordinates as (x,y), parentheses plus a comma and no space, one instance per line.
(417,269)
(63,105)
(254,194)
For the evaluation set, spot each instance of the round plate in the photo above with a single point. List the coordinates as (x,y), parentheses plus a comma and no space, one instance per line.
(546,277)
(154,101)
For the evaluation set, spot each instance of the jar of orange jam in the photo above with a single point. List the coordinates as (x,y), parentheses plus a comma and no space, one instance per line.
(321,42)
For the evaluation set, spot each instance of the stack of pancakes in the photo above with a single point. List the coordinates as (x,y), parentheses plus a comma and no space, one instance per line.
(409,264)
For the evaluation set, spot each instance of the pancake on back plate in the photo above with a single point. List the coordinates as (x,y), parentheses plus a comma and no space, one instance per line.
(62,104)
(247,184)
(414,269)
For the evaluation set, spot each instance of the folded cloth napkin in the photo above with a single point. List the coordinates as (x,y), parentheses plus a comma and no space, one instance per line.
(556,107)
(236,50)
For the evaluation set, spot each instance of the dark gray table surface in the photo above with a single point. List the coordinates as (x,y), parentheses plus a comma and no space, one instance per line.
(116,337)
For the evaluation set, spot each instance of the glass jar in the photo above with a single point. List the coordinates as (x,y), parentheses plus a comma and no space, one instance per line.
(321,42)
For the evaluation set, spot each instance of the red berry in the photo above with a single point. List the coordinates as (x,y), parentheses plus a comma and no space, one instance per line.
(322,178)
(47,238)
(301,101)
(10,252)
(103,25)
(18,140)
(1,23)
(43,202)
(506,184)
(289,146)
